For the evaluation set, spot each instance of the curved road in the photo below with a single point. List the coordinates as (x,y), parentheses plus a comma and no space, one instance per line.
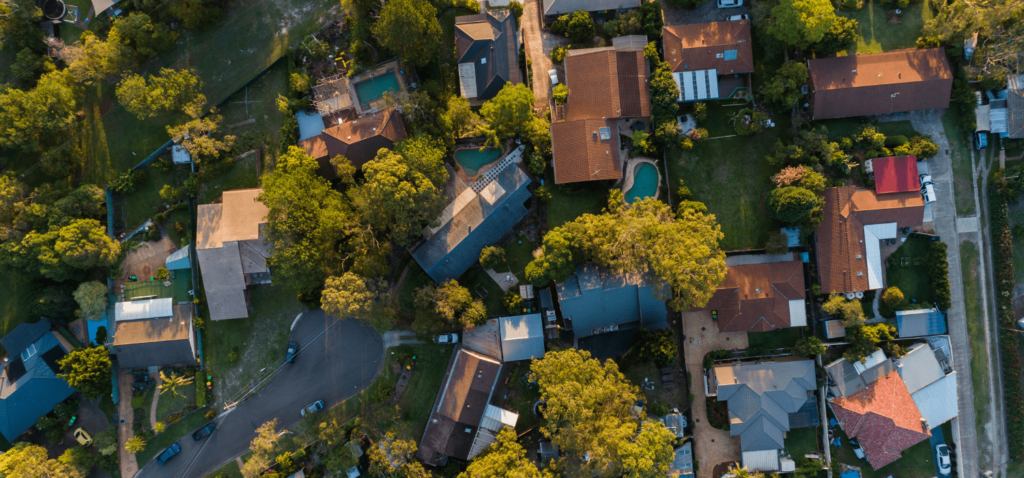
(338,358)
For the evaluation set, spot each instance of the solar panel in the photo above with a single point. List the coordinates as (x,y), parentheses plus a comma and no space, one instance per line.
(730,55)
(15,370)
(52,357)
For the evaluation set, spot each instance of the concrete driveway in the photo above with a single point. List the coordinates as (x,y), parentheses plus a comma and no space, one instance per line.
(337,359)
(539,44)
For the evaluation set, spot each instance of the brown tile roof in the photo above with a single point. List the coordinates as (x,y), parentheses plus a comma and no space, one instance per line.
(580,153)
(459,407)
(358,140)
(701,46)
(840,237)
(755,297)
(880,83)
(884,419)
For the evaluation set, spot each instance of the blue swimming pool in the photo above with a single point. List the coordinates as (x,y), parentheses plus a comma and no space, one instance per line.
(645,183)
(374,88)
(472,159)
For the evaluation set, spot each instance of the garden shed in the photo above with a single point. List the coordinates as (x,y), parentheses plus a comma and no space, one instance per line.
(920,322)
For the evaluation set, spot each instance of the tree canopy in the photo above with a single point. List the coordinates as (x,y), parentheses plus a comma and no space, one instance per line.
(92,299)
(88,370)
(410,29)
(26,460)
(34,118)
(171,90)
(146,38)
(508,114)
(368,300)
(791,204)
(783,90)
(801,23)
(505,458)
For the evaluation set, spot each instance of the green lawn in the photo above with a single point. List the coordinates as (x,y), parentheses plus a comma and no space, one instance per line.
(801,441)
(912,279)
(847,128)
(142,204)
(418,398)
(168,403)
(169,436)
(521,398)
(147,404)
(477,278)
(15,298)
(415,279)
(730,176)
(1016,217)
(963,179)
(969,262)
(570,201)
(784,338)
(637,373)
(230,470)
(241,175)
(877,35)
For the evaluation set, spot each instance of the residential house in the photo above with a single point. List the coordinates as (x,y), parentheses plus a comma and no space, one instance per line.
(848,239)
(553,9)
(760,297)
(29,385)
(709,60)
(929,376)
(479,216)
(357,139)
(509,339)
(462,421)
(605,85)
(1015,107)
(845,378)
(895,174)
(596,301)
(896,81)
(154,333)
(920,322)
(232,251)
(487,47)
(766,400)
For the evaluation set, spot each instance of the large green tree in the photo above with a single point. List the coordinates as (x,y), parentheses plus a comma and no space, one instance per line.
(92,59)
(649,453)
(410,29)
(263,449)
(505,458)
(199,136)
(92,299)
(783,91)
(88,370)
(802,23)
(34,118)
(508,114)
(394,457)
(62,253)
(146,38)
(452,302)
(171,90)
(368,300)
(196,15)
(19,25)
(26,460)
(791,204)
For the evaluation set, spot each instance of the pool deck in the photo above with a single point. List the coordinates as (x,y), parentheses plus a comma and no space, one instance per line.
(627,180)
(483,169)
(388,67)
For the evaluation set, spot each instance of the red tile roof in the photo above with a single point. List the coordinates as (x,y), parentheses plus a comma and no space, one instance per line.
(359,139)
(580,153)
(755,298)
(883,418)
(880,83)
(702,46)
(895,174)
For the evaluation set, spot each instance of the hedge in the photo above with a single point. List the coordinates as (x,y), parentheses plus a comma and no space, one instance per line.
(1009,340)
(938,273)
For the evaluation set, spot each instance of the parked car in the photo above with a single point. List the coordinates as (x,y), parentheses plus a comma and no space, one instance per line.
(980,139)
(82,437)
(942,454)
(205,431)
(553,74)
(448,339)
(736,18)
(730,3)
(293,348)
(927,188)
(857,450)
(168,454)
(313,408)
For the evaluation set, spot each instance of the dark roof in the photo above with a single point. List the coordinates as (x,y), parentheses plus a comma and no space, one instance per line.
(488,42)
(755,297)
(880,83)
(23,335)
(459,408)
(895,174)
(1015,106)
(155,342)
(595,298)
(476,221)
(29,389)
(702,46)
(358,140)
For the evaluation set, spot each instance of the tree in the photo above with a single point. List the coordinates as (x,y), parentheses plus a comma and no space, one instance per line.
(34,118)
(28,65)
(649,453)
(197,135)
(19,25)
(451,302)
(580,28)
(300,83)
(783,91)
(171,90)
(892,297)
(78,457)
(538,163)
(555,261)
(410,29)
(864,340)
(264,448)
(809,346)
(850,311)
(135,444)
(664,94)
(26,460)
(505,457)
(92,299)
(97,59)
(790,204)
(491,257)
(88,370)
(840,36)
(778,243)
(801,23)
(368,300)
(918,146)
(517,9)
(196,15)
(459,118)
(560,93)
(63,253)
(508,114)
(657,347)
(172,382)
(392,456)
(146,38)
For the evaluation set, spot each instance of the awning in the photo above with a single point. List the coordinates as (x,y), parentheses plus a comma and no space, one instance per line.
(697,85)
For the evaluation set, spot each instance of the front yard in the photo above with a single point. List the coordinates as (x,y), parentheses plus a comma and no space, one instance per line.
(418,399)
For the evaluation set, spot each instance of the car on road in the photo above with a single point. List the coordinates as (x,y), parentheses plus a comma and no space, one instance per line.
(730,3)
(205,431)
(82,437)
(313,408)
(736,18)
(553,74)
(289,356)
(942,455)
(448,339)
(168,454)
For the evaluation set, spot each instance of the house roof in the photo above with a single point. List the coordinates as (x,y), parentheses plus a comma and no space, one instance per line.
(848,379)
(459,408)
(486,43)
(919,367)
(156,342)
(842,251)
(880,83)
(178,260)
(561,7)
(522,337)
(756,297)
(1015,106)
(702,46)
(24,335)
(884,419)
(332,95)
(30,388)
(359,139)
(938,402)
(682,463)
(761,396)
(920,322)
(237,218)
(143,309)
(595,298)
(895,174)
(835,329)
(581,154)
(484,338)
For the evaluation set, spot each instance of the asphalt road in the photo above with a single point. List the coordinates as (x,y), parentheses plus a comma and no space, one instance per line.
(337,359)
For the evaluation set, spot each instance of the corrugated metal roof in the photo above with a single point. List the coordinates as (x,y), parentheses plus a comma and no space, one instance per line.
(178,260)
(143,309)
(762,460)
(920,322)
(938,402)
(1015,106)
(560,7)
(998,119)
(919,367)
(522,337)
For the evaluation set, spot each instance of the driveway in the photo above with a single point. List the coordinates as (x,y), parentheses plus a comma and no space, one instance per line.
(337,359)
(706,13)
(539,44)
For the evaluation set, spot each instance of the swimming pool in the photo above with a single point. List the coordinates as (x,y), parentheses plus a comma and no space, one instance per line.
(472,159)
(374,88)
(645,183)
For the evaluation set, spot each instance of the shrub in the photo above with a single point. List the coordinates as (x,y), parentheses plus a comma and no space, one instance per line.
(561,94)
(384,392)
(700,111)
(210,414)
(1009,340)
(153,234)
(683,193)
(790,204)
(580,27)
(491,257)
(233,354)
(894,141)
(200,392)
(938,274)
(542,194)
(135,444)
(658,347)
(513,301)
(161,273)
(892,297)
(159,427)
(919,146)
(558,54)
(809,346)
(778,243)
(517,9)
(537,163)
(709,359)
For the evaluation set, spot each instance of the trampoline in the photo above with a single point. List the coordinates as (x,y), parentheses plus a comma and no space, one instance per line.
(373,89)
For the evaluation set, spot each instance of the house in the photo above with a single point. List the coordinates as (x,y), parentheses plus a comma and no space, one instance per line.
(595,300)
(154,332)
(879,83)
(462,421)
(834,329)
(556,8)
(487,48)
(357,139)
(682,464)
(1015,107)
(845,378)
(928,374)
(895,174)
(709,60)
(764,400)
(29,385)
(478,217)
(760,297)
(231,250)
(920,322)
(848,239)
(605,85)
(509,339)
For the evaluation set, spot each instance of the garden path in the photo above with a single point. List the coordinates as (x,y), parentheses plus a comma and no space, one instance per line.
(156,397)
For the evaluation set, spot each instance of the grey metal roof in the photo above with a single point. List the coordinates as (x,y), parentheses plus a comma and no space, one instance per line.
(683,461)
(847,381)
(920,322)
(223,281)
(561,7)
(938,402)
(761,397)
(919,367)
(178,260)
(594,298)
(1015,106)
(761,435)
(24,335)
(522,337)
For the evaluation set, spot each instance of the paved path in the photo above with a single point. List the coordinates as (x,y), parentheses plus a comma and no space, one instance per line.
(336,359)
(158,380)
(125,416)
(538,50)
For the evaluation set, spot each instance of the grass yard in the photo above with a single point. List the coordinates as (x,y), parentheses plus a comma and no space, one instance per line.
(570,201)
(418,398)
(963,178)
(518,253)
(969,263)
(521,398)
(1017,217)
(637,373)
(415,279)
(168,403)
(241,175)
(784,338)
(801,441)
(847,128)
(477,278)
(728,173)
(230,470)
(15,298)
(877,35)
(171,435)
(142,204)
(912,279)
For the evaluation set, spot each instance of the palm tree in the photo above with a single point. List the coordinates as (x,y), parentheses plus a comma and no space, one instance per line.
(172,382)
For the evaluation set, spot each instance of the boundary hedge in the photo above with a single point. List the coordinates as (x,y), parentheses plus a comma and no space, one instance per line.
(1009,339)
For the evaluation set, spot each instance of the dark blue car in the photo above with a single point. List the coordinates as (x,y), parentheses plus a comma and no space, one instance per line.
(168,454)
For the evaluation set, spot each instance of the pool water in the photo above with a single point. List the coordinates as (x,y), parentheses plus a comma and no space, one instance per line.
(472,159)
(645,183)
(374,88)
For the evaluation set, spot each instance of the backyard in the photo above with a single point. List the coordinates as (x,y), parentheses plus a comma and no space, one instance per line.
(15,298)
(917,461)
(570,201)
(907,269)
(969,263)
(802,441)
(782,338)
(658,395)
(418,399)
(878,35)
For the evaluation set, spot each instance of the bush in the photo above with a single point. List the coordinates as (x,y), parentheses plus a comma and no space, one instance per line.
(892,297)
(161,273)
(778,243)
(790,204)
(153,234)
(233,355)
(938,274)
(210,414)
(894,141)
(658,347)
(809,346)
(709,359)
(542,194)
(513,301)
(517,9)
(561,94)
(580,27)
(491,257)
(558,54)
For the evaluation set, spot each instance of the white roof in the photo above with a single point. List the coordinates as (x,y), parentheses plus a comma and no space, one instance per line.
(981,117)
(496,418)
(797,313)
(467,79)
(179,155)
(697,85)
(143,309)
(492,192)
(938,401)
(761,460)
(870,362)
(872,234)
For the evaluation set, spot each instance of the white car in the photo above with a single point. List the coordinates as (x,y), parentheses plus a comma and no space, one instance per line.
(736,18)
(448,339)
(730,3)
(927,188)
(942,453)
(553,74)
